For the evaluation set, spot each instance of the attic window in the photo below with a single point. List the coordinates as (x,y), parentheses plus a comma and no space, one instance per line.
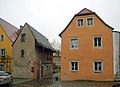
(80,22)
(90,21)
(23,37)
(1,37)
(22,53)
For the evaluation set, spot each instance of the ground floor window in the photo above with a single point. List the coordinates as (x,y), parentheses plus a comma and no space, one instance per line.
(1,67)
(98,66)
(74,65)
(48,68)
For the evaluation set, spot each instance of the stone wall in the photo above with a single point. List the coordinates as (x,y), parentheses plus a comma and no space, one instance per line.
(20,72)
(22,65)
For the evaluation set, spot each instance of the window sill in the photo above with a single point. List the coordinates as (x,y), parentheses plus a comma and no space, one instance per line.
(74,71)
(97,47)
(80,26)
(98,71)
(73,48)
(89,25)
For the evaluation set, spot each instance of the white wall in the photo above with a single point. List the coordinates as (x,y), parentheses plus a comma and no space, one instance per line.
(116,51)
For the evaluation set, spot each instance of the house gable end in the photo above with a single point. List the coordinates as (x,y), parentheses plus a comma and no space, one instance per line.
(85,12)
(40,39)
(5,33)
(10,30)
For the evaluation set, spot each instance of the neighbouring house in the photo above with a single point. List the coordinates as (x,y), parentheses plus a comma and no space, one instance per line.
(32,54)
(8,34)
(90,49)
(57,58)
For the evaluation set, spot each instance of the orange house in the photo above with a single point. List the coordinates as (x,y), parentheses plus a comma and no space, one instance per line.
(88,49)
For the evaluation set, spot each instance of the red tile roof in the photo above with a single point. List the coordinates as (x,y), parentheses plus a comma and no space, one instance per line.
(9,29)
(85,11)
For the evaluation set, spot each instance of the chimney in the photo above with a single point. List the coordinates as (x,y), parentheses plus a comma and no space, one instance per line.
(21,27)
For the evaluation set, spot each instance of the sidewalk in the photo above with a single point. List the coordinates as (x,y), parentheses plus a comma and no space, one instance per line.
(53,83)
(20,80)
(33,83)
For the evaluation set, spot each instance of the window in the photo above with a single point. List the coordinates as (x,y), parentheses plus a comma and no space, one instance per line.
(48,68)
(97,66)
(1,37)
(90,21)
(23,36)
(2,52)
(74,65)
(97,42)
(2,67)
(80,22)
(74,43)
(22,53)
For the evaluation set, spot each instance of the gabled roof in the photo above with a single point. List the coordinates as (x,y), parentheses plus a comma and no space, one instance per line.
(41,40)
(10,30)
(83,12)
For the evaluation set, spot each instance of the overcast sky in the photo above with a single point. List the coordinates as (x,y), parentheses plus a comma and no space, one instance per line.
(50,17)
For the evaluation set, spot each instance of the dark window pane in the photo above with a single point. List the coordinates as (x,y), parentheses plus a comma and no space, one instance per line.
(95,41)
(95,66)
(72,64)
(99,44)
(22,53)
(2,37)
(23,36)
(76,66)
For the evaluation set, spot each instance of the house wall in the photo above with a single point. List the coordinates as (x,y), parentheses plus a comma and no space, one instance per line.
(47,63)
(6,44)
(57,60)
(116,51)
(22,65)
(86,54)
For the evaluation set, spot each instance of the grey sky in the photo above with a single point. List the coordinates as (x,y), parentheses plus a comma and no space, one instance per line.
(50,17)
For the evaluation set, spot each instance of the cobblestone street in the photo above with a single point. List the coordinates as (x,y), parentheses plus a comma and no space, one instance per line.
(53,83)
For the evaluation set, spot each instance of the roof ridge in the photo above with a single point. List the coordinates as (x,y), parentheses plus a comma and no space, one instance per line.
(85,11)
(8,23)
(36,30)
(9,29)
(41,39)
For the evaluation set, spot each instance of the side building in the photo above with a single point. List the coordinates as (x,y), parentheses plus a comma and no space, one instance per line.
(32,55)
(57,59)
(90,49)
(8,34)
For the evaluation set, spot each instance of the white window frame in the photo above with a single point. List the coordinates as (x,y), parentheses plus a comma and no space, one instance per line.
(71,44)
(97,71)
(80,24)
(97,42)
(74,66)
(87,21)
